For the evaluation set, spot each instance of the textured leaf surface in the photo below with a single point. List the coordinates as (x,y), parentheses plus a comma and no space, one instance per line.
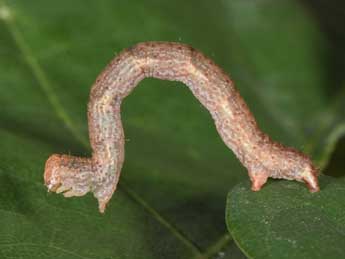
(170,203)
(284,220)
(36,224)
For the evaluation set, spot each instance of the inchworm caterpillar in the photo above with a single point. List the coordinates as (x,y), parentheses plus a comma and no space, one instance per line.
(236,125)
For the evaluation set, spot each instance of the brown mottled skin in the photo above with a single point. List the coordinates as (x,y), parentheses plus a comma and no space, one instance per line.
(210,85)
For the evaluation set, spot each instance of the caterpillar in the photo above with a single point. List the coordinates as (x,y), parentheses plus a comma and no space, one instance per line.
(263,157)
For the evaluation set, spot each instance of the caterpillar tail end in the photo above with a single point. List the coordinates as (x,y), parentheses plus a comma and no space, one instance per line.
(311,180)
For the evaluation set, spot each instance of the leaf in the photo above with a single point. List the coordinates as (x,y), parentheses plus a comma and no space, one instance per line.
(170,203)
(36,224)
(284,220)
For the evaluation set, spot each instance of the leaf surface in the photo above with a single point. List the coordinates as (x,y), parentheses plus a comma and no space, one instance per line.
(284,220)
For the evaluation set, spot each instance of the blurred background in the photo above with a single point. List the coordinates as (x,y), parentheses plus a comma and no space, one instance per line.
(286,58)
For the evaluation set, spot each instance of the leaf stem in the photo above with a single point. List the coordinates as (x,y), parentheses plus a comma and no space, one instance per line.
(216,247)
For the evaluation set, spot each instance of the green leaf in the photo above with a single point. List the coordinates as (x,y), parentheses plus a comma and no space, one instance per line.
(36,224)
(284,220)
(170,202)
